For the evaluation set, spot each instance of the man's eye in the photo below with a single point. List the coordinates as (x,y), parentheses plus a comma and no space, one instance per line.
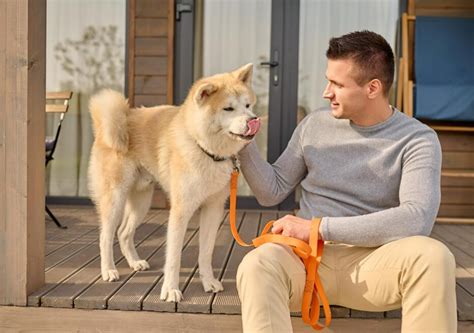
(230,108)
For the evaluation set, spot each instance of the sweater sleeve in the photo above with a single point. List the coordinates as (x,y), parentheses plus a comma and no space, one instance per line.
(272,183)
(419,197)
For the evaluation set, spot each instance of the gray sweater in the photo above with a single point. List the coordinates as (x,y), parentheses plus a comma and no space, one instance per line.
(371,185)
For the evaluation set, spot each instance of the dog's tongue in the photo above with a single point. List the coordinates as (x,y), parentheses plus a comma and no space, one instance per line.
(254,126)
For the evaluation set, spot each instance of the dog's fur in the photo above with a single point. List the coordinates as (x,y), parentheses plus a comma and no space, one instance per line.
(135,147)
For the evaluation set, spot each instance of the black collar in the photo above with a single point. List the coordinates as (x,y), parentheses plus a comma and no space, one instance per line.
(216,158)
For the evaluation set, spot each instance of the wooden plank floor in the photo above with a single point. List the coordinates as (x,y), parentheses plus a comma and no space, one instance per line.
(73,266)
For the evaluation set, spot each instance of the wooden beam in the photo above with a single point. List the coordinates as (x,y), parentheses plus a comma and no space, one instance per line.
(22,100)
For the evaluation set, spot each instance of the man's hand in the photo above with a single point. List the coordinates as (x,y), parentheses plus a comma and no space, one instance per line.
(293,226)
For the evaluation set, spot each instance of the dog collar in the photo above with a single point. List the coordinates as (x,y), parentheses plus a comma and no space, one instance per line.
(217,158)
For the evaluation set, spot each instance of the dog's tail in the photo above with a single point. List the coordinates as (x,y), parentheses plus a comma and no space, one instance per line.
(109,110)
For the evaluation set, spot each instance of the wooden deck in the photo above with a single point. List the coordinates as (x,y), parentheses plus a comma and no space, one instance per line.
(73,267)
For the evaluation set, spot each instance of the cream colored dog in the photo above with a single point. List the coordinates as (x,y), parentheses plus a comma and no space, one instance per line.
(189,149)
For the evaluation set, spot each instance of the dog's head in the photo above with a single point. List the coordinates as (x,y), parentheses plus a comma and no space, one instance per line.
(222,106)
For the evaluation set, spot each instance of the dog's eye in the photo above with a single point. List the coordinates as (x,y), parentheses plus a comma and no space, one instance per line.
(247,106)
(230,108)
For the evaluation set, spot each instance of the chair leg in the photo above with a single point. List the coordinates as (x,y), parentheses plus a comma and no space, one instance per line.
(55,220)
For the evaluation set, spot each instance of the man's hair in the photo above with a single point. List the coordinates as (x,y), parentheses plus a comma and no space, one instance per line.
(370,52)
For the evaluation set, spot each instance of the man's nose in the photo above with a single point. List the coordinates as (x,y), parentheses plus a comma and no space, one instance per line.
(327,93)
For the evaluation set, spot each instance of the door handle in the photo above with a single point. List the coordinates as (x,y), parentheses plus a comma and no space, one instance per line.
(269,63)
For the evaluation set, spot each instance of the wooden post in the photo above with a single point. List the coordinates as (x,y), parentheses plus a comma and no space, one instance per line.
(22,104)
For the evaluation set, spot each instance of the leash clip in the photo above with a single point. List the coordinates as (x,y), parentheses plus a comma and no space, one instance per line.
(235,163)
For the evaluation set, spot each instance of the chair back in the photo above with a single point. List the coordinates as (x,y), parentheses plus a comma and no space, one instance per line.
(56,102)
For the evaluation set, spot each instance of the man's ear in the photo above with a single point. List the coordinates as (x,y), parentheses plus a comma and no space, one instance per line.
(244,74)
(374,88)
(203,91)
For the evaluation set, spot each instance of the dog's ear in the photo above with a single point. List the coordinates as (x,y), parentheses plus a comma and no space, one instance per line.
(244,74)
(203,91)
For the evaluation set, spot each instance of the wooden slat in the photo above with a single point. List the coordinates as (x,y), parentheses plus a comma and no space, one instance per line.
(98,294)
(151,46)
(151,27)
(195,300)
(457,195)
(152,8)
(54,95)
(452,8)
(399,104)
(73,247)
(465,234)
(454,220)
(151,66)
(465,304)
(454,141)
(452,128)
(150,100)
(228,301)
(463,173)
(143,290)
(458,160)
(155,85)
(456,211)
(88,272)
(56,108)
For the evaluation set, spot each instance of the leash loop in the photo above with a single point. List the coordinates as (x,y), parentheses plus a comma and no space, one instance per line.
(310,254)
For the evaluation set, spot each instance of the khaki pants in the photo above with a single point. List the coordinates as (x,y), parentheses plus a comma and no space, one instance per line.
(415,273)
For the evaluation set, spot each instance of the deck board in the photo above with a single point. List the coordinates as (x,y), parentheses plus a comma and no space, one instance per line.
(73,266)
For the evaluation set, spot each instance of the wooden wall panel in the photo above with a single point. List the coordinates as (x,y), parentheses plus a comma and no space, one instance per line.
(152,8)
(151,85)
(146,100)
(150,66)
(457,181)
(151,46)
(22,100)
(151,27)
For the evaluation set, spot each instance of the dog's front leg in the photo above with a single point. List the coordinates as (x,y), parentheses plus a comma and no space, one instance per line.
(212,213)
(177,224)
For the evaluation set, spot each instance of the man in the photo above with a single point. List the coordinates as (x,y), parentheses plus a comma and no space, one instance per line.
(373,175)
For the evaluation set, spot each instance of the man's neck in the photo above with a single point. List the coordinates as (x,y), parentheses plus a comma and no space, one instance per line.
(376,113)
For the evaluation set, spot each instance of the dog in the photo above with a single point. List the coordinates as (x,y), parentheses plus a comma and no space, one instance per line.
(190,150)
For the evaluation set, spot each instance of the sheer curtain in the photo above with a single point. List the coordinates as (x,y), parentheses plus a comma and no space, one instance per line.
(85,52)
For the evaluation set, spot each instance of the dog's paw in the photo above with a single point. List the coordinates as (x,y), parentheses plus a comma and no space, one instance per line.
(110,275)
(170,294)
(211,285)
(140,265)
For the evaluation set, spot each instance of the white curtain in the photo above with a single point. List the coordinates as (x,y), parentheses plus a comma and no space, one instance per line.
(85,52)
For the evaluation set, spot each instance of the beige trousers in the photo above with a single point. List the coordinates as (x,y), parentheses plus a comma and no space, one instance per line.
(415,273)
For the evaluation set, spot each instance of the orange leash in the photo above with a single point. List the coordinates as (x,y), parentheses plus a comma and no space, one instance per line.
(310,254)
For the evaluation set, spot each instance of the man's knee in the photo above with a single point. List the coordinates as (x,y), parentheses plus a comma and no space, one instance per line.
(264,259)
(432,255)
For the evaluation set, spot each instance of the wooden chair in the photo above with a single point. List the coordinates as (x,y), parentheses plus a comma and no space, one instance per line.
(52,106)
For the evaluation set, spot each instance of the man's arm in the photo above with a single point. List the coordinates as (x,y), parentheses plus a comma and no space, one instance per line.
(271,184)
(419,197)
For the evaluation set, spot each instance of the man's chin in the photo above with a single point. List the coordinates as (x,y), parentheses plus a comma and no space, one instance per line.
(336,114)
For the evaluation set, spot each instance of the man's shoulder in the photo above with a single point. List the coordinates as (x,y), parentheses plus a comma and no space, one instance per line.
(415,126)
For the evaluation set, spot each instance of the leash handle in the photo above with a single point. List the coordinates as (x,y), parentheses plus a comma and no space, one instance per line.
(310,254)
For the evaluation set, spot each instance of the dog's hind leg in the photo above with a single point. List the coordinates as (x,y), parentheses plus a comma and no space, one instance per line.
(212,213)
(111,214)
(138,204)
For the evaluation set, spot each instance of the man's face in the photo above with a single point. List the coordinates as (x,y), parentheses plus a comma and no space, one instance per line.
(348,99)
